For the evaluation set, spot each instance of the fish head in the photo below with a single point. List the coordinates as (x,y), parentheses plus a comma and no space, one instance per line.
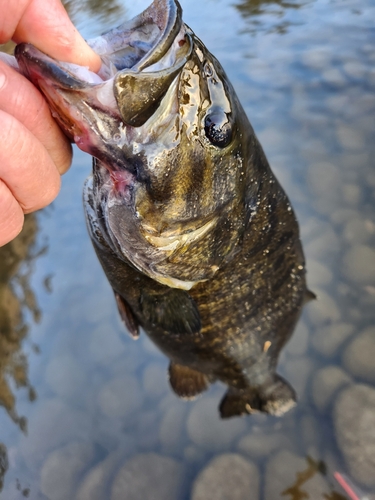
(171,190)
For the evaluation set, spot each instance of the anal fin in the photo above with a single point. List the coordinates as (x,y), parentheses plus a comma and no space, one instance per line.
(127,316)
(187,382)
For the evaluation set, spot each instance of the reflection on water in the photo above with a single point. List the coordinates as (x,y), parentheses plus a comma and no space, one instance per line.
(268,15)
(105,421)
(17,300)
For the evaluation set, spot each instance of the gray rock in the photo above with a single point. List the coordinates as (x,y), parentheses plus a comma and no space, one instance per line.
(155,380)
(297,372)
(150,476)
(358,264)
(297,345)
(326,383)
(227,477)
(95,484)
(318,274)
(259,445)
(359,356)
(349,138)
(323,179)
(354,420)
(281,474)
(207,430)
(63,468)
(51,425)
(105,345)
(173,427)
(357,231)
(120,397)
(323,310)
(66,376)
(327,340)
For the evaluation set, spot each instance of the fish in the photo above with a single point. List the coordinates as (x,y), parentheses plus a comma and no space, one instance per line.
(195,234)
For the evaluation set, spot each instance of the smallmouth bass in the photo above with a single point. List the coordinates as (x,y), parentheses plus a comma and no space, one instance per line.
(195,234)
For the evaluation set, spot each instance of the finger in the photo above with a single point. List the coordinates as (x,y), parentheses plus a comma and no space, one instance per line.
(25,166)
(10,17)
(46,25)
(11,219)
(18,97)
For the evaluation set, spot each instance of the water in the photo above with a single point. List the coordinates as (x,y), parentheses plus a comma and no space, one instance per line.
(87,413)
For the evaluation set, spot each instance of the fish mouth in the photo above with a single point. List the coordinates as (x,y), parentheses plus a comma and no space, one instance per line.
(140,60)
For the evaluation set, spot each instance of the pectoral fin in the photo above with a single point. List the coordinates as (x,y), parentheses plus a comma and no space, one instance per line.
(127,316)
(172,310)
(186,382)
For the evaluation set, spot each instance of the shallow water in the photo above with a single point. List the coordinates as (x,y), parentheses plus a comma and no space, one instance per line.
(87,413)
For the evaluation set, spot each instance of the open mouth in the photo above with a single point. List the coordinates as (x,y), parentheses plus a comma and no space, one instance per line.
(140,59)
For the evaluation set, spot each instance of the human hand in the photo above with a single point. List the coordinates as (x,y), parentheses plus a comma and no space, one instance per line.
(33,149)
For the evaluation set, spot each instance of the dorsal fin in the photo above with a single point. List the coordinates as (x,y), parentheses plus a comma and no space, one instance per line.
(187,382)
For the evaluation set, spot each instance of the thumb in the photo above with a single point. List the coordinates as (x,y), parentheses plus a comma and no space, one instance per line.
(46,25)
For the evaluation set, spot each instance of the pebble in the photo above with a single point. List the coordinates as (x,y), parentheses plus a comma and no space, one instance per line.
(358,264)
(95,484)
(155,380)
(173,427)
(259,445)
(207,430)
(297,345)
(66,377)
(63,468)
(297,373)
(325,385)
(227,477)
(349,138)
(151,476)
(318,274)
(282,472)
(358,230)
(327,340)
(325,244)
(323,310)
(323,179)
(351,194)
(354,421)
(105,345)
(358,357)
(52,424)
(120,397)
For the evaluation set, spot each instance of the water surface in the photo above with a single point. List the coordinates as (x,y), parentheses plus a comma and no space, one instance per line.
(87,413)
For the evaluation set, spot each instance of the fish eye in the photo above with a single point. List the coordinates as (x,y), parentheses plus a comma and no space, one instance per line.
(218,128)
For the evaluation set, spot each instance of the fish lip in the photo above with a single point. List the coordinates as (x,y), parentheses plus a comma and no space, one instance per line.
(36,65)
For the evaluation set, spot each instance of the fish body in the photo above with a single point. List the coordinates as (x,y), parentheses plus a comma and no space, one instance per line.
(195,234)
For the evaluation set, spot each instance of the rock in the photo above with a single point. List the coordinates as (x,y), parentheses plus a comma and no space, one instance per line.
(173,427)
(351,194)
(358,264)
(95,484)
(326,383)
(323,310)
(282,474)
(359,356)
(207,430)
(328,339)
(297,345)
(66,377)
(155,380)
(323,179)
(259,445)
(150,476)
(227,477)
(297,372)
(120,397)
(318,274)
(354,421)
(63,468)
(51,425)
(105,345)
(349,138)
(324,244)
